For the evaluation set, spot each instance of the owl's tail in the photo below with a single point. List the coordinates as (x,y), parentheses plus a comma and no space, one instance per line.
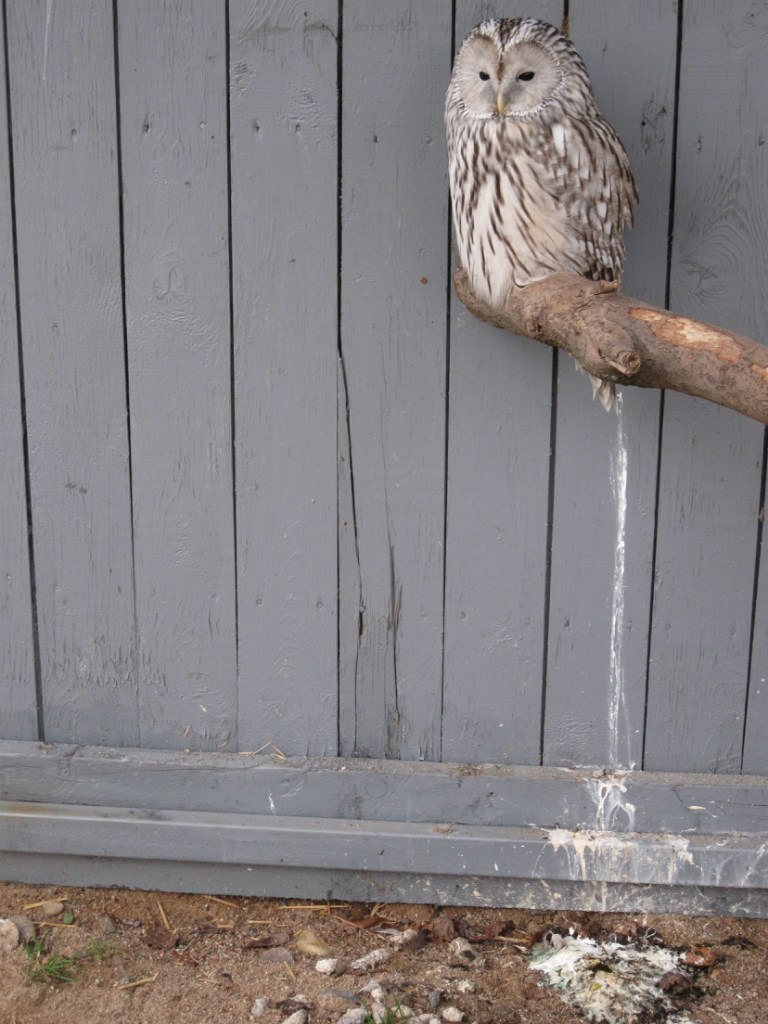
(605,390)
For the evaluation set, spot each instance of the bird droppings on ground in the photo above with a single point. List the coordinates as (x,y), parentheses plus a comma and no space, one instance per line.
(619,980)
(127,957)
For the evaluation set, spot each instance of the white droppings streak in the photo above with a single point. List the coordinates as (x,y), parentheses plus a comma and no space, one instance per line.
(617,702)
(48,19)
(613,812)
(272,804)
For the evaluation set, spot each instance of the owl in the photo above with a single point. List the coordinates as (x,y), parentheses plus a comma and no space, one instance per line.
(539,180)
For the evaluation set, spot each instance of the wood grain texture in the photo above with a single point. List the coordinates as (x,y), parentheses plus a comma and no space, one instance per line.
(711,459)
(173,105)
(65,151)
(605,468)
(284,219)
(18,699)
(394,222)
(497,507)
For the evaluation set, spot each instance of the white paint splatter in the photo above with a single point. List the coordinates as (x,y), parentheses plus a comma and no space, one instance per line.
(272,804)
(617,701)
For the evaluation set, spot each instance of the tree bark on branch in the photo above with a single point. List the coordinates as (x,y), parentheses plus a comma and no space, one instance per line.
(618,338)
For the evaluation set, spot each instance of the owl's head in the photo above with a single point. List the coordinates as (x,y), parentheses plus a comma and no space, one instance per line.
(514,68)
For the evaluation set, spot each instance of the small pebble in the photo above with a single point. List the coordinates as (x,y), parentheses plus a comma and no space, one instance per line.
(259,1008)
(108,925)
(331,965)
(371,960)
(379,1012)
(435,998)
(404,938)
(52,908)
(465,985)
(461,950)
(300,1017)
(369,986)
(27,930)
(9,935)
(277,955)
(357,1015)
(452,1014)
(345,994)
(310,942)
(329,1007)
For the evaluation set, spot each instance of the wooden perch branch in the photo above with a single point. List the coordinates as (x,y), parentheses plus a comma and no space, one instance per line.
(619,338)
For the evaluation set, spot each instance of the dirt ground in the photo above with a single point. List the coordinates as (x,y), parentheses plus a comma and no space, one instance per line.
(164,958)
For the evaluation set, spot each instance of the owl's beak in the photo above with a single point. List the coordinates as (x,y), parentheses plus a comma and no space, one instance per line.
(501,105)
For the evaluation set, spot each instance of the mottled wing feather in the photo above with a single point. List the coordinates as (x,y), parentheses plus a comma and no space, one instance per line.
(599,192)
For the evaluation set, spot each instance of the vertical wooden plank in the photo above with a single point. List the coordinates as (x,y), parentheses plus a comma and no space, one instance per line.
(711,458)
(755,759)
(497,508)
(62,82)
(18,701)
(394,209)
(173,108)
(606,464)
(284,219)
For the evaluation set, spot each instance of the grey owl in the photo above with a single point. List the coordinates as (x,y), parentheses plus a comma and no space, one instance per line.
(540,182)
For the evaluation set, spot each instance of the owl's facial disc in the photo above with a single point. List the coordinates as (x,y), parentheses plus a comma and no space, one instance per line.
(529,77)
(514,83)
(476,76)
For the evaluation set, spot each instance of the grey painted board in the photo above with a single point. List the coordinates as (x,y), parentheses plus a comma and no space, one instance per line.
(605,469)
(737,862)
(756,733)
(378,887)
(497,508)
(349,579)
(359,789)
(18,700)
(284,226)
(755,759)
(711,458)
(393,303)
(65,148)
(173,107)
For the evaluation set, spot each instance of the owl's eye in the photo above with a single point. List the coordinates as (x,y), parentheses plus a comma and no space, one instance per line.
(525,76)
(484,75)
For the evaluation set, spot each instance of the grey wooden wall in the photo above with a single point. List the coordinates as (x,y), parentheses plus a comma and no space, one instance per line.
(264,481)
